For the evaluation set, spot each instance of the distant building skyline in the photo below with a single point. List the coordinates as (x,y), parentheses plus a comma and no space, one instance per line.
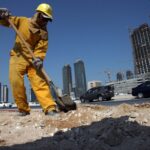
(77,86)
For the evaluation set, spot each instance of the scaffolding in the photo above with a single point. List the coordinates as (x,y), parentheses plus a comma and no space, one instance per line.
(125,86)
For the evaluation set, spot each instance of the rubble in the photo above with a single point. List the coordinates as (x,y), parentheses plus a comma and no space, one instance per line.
(93,127)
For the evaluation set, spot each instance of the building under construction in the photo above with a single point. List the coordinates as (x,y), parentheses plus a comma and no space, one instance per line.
(125,86)
(140,38)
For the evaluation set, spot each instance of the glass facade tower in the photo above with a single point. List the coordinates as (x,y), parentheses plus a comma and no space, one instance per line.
(80,78)
(67,79)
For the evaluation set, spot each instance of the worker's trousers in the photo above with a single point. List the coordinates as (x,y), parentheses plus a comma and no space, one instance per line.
(18,67)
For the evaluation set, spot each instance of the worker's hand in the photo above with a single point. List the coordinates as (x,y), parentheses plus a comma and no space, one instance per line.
(4,13)
(37,63)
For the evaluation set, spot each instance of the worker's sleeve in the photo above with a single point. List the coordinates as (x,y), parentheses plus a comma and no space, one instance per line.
(41,49)
(15,20)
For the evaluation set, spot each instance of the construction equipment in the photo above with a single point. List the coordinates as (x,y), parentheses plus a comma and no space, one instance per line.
(64,103)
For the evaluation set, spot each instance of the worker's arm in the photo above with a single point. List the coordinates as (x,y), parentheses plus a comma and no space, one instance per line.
(15,20)
(4,15)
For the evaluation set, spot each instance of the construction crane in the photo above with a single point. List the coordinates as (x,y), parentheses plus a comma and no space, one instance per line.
(108,73)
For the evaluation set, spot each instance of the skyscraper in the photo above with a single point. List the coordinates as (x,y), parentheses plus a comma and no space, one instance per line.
(129,74)
(140,38)
(120,76)
(80,78)
(5,94)
(67,79)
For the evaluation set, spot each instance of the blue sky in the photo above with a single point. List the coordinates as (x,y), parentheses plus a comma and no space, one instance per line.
(95,31)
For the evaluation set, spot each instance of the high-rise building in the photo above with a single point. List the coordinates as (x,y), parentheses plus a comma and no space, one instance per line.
(5,94)
(120,76)
(67,79)
(129,74)
(80,78)
(140,38)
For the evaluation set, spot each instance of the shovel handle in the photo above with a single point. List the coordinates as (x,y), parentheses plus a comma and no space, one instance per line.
(21,38)
(29,49)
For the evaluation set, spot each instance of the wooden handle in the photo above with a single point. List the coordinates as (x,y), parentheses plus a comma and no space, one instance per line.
(28,48)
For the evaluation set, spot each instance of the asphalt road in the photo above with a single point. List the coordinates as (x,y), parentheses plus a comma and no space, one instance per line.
(113,102)
(118,102)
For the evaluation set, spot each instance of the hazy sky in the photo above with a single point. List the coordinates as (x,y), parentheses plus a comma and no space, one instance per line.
(95,31)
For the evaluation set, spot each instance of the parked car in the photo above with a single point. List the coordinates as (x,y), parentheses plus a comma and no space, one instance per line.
(142,90)
(98,93)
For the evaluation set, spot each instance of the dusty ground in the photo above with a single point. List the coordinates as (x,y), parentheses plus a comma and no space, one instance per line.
(124,127)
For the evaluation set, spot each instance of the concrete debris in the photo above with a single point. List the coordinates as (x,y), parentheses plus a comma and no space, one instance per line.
(93,127)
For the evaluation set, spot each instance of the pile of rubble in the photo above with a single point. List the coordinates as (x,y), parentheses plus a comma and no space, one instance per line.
(93,127)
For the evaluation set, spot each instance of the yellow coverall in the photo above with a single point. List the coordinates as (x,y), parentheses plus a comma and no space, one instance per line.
(20,64)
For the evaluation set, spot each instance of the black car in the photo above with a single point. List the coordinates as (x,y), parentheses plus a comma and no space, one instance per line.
(142,90)
(98,93)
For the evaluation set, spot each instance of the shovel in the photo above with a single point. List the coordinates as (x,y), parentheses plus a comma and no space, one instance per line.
(64,103)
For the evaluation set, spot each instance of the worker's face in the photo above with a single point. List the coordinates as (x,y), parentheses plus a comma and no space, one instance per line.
(41,20)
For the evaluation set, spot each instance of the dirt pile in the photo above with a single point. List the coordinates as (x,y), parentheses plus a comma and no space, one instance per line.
(93,127)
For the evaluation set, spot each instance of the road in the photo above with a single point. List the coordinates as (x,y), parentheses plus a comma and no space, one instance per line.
(121,101)
(113,102)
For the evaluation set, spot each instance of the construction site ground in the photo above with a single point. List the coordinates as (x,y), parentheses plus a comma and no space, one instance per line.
(96,127)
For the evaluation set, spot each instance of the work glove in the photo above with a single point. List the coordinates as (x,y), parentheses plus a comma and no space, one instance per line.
(37,63)
(4,13)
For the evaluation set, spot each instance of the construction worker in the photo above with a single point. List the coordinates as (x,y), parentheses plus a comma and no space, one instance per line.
(21,63)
